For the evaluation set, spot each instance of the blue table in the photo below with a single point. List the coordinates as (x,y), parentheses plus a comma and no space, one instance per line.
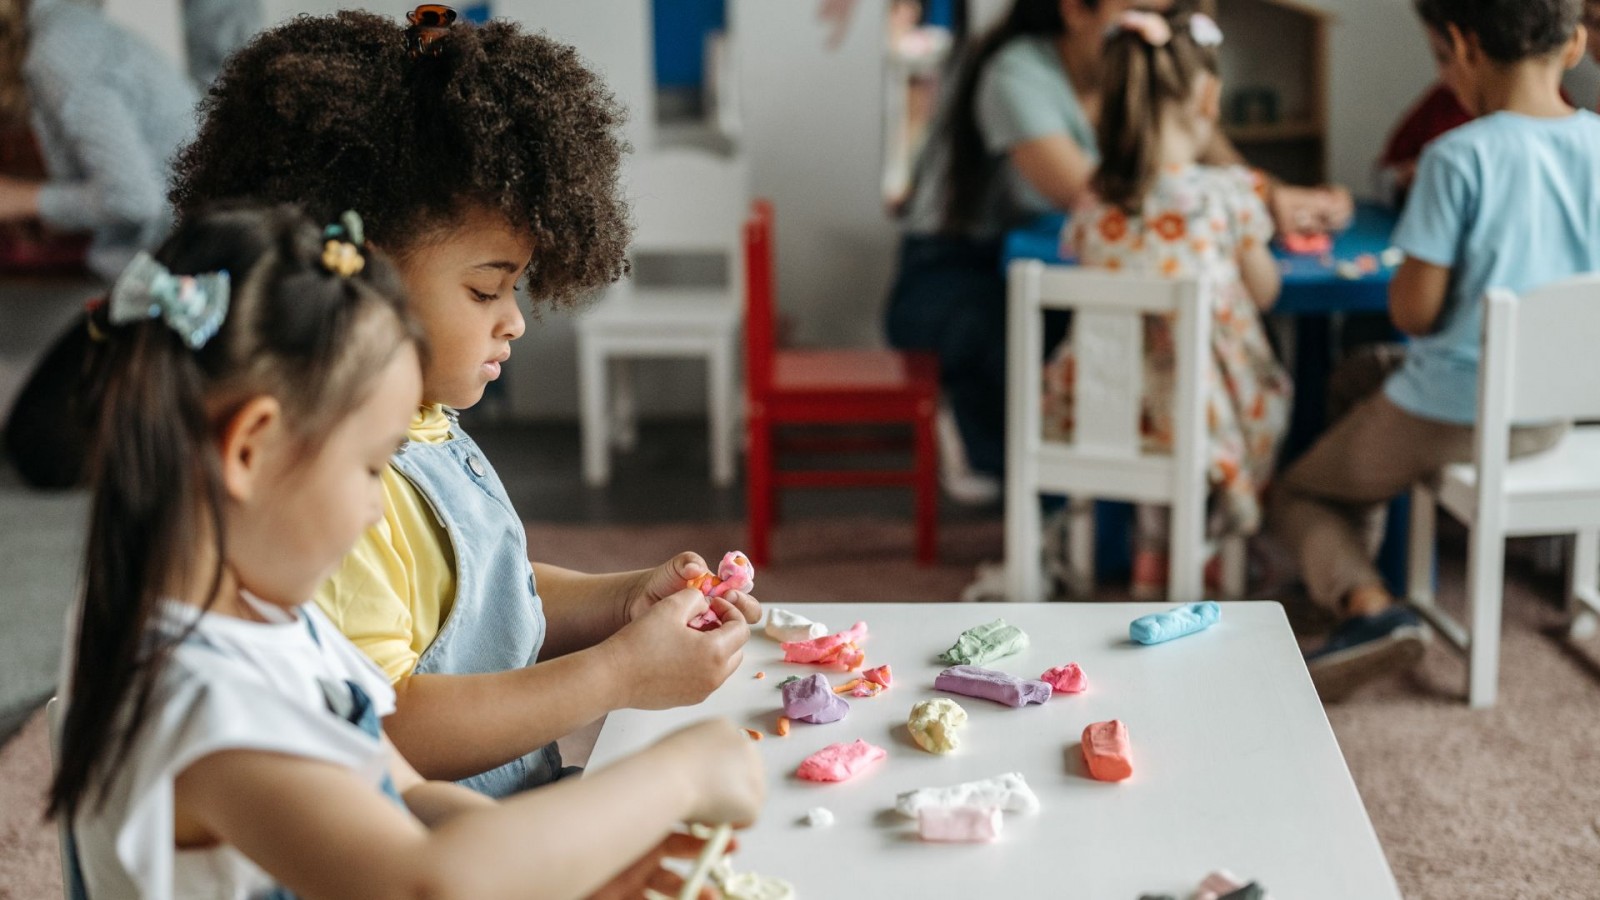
(1314,294)
(1312,285)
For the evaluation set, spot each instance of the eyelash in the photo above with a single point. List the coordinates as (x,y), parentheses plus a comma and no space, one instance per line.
(484,298)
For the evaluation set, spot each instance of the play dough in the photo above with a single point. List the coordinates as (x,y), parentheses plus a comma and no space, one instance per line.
(811,700)
(837,762)
(1164,626)
(841,649)
(988,684)
(986,642)
(1009,792)
(783,625)
(1067,679)
(934,724)
(959,824)
(1107,752)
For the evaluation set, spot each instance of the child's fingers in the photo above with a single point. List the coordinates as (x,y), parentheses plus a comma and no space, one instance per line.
(687,565)
(748,606)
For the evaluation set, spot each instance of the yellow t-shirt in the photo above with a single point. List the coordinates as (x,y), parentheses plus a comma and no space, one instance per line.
(393,590)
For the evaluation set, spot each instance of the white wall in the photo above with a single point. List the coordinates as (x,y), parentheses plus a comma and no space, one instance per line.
(1380,65)
(158,21)
(813,133)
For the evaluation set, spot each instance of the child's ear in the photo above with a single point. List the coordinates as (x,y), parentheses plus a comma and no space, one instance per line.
(248,438)
(1576,47)
(1464,47)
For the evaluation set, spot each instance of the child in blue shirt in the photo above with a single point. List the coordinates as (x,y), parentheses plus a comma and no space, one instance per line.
(1511,200)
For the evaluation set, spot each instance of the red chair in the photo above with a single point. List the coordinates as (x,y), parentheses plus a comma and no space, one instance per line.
(827,388)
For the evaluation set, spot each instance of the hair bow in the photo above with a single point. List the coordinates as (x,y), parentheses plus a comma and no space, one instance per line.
(1205,30)
(193,306)
(1151,27)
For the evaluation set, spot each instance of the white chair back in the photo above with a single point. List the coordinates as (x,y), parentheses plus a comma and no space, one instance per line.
(1540,351)
(687,201)
(1104,458)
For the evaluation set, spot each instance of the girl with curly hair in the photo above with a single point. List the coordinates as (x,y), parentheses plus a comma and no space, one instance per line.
(478,157)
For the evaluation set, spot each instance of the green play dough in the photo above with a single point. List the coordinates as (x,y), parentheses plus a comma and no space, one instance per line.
(979,645)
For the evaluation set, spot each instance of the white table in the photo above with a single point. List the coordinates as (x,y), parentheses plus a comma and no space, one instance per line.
(1235,765)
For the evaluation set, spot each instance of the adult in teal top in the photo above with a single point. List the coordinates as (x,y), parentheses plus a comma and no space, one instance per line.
(1023,99)
(1508,201)
(1014,137)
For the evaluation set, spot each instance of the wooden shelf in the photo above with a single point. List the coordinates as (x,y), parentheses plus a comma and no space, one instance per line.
(1276,133)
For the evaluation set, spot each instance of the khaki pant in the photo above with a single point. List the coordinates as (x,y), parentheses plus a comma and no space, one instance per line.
(1330,506)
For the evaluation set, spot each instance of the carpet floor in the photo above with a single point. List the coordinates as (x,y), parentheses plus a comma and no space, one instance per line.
(1502,803)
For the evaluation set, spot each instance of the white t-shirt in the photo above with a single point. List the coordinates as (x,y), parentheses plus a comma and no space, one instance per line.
(231,685)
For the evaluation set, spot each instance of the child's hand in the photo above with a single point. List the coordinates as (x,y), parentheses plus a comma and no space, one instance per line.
(670,577)
(726,770)
(664,663)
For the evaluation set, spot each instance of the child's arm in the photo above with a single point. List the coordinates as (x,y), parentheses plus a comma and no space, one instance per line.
(581,610)
(1259,271)
(323,833)
(1055,166)
(455,726)
(1417,295)
(432,802)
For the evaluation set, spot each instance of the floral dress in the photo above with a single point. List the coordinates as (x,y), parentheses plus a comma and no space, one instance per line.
(1193,224)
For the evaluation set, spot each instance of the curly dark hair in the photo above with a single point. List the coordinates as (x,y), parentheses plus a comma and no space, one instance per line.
(1508,30)
(332,113)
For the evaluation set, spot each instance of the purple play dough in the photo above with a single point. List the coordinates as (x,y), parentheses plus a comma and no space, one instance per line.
(988,684)
(813,700)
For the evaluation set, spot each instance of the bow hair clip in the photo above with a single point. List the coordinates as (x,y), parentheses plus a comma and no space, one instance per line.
(193,306)
(1205,30)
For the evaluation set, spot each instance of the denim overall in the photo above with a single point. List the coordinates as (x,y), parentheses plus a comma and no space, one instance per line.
(497,621)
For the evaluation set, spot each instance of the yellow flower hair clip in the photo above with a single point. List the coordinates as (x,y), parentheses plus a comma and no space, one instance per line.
(341,247)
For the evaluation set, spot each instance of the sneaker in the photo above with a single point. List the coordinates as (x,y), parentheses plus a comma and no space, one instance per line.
(1366,648)
(1148,581)
(960,482)
(989,585)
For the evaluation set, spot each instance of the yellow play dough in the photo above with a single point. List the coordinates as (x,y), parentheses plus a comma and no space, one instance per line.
(934,724)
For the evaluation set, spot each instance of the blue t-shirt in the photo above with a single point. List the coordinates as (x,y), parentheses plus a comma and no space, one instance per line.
(1508,201)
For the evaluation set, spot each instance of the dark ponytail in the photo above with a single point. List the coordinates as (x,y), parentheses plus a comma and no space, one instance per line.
(972,168)
(294,330)
(1140,81)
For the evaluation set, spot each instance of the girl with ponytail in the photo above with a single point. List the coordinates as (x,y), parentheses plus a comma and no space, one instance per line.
(221,738)
(1157,210)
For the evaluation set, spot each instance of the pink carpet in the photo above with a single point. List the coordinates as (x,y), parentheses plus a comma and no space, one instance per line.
(1499,804)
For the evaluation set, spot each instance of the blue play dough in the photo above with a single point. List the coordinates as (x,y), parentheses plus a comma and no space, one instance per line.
(1185,620)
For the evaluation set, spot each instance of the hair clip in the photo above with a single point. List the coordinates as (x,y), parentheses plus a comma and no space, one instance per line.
(193,306)
(1151,27)
(341,246)
(1205,30)
(429,22)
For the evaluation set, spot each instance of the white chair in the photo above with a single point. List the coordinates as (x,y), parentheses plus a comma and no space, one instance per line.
(72,887)
(685,202)
(1539,364)
(1104,459)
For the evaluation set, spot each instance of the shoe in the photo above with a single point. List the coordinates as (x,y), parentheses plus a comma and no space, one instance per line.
(1148,581)
(1364,649)
(960,482)
(989,586)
